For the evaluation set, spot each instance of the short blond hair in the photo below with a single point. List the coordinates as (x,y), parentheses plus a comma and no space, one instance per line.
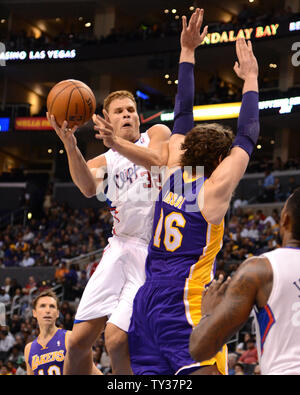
(48,292)
(117,95)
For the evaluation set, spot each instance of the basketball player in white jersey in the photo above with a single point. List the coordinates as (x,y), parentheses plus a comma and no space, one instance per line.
(269,283)
(130,189)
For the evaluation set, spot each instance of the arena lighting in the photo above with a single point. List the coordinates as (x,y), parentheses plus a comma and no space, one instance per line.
(294,26)
(4,124)
(232,110)
(142,95)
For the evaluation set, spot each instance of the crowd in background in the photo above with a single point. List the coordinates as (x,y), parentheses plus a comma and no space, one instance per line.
(61,232)
(169,26)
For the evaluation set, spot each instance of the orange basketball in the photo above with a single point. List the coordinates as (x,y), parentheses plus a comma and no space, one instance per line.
(73,101)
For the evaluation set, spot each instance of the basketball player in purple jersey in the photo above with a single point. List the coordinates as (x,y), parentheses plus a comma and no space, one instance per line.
(270,284)
(46,354)
(188,222)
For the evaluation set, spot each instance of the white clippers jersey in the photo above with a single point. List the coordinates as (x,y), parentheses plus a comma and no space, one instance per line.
(131,192)
(278,323)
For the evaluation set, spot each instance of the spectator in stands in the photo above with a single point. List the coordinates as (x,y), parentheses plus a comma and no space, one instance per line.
(242,346)
(4,296)
(268,187)
(31,284)
(5,371)
(21,369)
(60,272)
(239,369)
(232,360)
(292,185)
(278,193)
(249,356)
(27,260)
(256,370)
(7,341)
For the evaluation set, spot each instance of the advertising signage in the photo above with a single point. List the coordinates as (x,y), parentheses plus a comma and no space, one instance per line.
(4,124)
(32,123)
(249,33)
(50,54)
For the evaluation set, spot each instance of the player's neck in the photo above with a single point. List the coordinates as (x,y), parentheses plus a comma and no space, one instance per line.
(292,243)
(46,333)
(289,241)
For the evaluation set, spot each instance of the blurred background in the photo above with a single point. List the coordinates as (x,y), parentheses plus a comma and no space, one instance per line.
(50,234)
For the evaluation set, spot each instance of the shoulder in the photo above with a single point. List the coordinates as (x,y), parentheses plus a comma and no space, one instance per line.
(27,351)
(255,275)
(98,161)
(159,131)
(255,268)
(67,337)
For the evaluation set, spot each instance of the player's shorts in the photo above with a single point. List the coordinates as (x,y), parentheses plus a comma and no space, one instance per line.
(159,332)
(111,289)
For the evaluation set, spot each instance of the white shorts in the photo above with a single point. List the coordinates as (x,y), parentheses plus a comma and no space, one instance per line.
(111,289)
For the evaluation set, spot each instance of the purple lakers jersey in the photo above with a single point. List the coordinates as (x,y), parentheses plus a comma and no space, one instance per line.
(48,360)
(184,244)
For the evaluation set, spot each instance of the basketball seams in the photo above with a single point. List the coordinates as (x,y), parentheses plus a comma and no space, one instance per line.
(55,97)
(61,101)
(68,105)
(82,99)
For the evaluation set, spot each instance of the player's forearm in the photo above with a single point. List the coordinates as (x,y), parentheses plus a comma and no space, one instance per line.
(251,84)
(248,122)
(184,100)
(141,156)
(187,55)
(80,173)
(208,338)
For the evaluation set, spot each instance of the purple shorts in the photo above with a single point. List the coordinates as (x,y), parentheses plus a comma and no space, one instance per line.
(159,331)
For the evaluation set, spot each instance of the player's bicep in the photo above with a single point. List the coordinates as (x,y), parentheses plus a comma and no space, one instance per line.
(219,187)
(175,151)
(26,357)
(159,138)
(228,317)
(230,171)
(98,169)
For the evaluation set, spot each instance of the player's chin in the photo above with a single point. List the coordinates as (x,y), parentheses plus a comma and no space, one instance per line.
(126,133)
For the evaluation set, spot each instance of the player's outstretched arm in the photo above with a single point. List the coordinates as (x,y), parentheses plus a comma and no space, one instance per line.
(224,314)
(84,175)
(223,181)
(26,357)
(191,37)
(155,155)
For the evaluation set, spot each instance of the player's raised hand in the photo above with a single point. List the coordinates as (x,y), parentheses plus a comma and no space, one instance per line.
(105,130)
(213,295)
(191,36)
(247,66)
(64,133)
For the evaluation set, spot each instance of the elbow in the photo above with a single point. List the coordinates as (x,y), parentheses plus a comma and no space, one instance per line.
(199,348)
(89,193)
(155,164)
(195,347)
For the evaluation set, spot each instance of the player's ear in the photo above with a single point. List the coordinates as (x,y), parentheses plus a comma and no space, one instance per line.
(106,116)
(285,220)
(33,313)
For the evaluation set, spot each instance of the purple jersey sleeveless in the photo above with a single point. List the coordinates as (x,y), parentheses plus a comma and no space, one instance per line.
(180,262)
(48,360)
(179,229)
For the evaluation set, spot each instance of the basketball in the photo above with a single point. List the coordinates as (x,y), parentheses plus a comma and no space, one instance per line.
(73,101)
